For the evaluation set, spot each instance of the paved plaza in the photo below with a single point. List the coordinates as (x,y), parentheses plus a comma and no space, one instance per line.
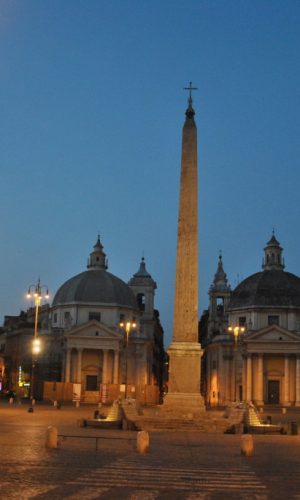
(184,465)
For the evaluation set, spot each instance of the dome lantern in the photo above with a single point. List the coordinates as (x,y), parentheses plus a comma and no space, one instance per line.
(97,259)
(273,259)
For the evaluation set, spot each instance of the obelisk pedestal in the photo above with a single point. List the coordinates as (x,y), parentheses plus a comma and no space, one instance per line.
(185,350)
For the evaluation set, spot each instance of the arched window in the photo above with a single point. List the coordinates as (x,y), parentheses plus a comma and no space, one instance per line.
(141,300)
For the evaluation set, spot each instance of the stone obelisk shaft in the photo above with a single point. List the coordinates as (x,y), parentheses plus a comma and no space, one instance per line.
(185,328)
(185,351)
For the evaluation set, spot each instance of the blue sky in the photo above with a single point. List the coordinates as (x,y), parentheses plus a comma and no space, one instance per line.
(92,107)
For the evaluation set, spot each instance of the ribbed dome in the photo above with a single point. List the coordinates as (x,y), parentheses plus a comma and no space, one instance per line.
(268,288)
(95,286)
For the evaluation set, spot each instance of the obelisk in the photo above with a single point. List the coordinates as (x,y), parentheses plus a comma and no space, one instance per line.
(185,350)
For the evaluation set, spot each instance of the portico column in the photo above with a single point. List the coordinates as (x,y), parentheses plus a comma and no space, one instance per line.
(104,368)
(79,364)
(116,367)
(244,376)
(226,382)
(286,382)
(208,379)
(260,377)
(249,379)
(68,365)
(220,394)
(297,402)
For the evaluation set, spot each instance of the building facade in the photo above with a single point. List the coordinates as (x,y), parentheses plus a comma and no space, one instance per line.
(251,336)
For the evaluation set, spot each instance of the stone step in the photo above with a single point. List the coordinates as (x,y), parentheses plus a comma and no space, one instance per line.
(201,425)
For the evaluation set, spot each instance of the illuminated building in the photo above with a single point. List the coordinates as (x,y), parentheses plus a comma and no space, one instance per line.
(82,342)
(266,309)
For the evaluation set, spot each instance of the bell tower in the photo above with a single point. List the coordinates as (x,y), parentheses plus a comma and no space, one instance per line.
(219,296)
(143,287)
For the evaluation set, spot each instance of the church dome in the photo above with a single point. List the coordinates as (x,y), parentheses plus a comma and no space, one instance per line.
(273,287)
(95,285)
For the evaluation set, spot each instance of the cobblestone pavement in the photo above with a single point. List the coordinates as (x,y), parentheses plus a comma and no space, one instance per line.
(188,466)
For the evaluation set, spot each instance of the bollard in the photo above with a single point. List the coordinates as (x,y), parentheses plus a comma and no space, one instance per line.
(247,447)
(51,437)
(284,411)
(32,402)
(294,428)
(142,443)
(54,403)
(77,404)
(11,400)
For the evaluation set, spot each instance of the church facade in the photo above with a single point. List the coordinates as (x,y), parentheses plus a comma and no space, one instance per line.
(99,332)
(251,336)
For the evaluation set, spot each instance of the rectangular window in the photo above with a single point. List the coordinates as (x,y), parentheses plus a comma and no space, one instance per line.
(94,315)
(273,320)
(242,321)
(55,318)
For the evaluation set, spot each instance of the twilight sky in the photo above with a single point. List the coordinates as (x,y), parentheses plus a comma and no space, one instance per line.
(92,106)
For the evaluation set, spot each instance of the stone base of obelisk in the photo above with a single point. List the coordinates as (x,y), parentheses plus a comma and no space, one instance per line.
(183,397)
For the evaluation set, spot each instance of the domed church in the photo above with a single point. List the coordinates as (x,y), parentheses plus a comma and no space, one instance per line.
(100,336)
(251,336)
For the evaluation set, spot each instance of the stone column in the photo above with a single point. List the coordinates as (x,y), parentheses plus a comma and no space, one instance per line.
(208,378)
(220,372)
(79,364)
(297,402)
(116,367)
(68,365)
(249,379)
(286,381)
(227,380)
(104,367)
(259,381)
(233,376)
(244,376)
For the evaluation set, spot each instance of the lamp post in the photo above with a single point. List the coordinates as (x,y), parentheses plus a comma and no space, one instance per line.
(236,330)
(36,292)
(127,326)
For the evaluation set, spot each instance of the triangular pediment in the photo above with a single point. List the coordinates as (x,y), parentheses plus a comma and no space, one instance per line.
(93,329)
(273,333)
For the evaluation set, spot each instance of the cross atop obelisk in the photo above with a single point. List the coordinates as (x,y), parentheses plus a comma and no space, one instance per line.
(190,88)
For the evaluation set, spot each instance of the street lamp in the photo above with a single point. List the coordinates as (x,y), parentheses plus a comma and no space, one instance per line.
(127,326)
(236,330)
(36,292)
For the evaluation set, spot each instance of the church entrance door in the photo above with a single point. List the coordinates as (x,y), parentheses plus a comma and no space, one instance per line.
(273,392)
(91,382)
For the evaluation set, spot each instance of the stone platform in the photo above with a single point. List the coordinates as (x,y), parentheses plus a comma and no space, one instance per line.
(161,418)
